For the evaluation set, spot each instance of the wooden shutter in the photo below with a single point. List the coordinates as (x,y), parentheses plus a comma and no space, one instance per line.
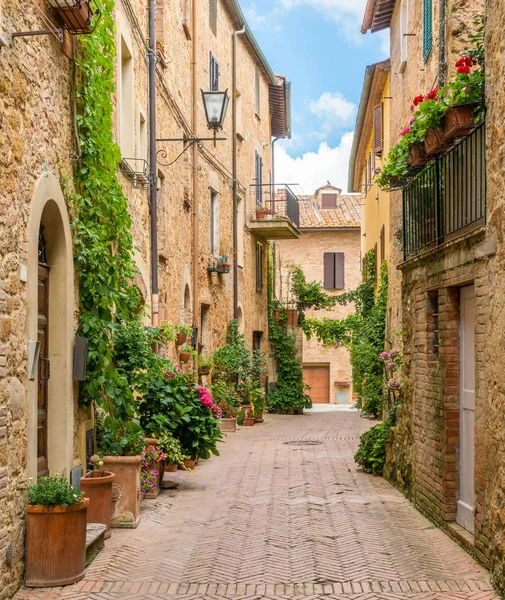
(329,270)
(214,73)
(259,267)
(258,172)
(383,243)
(427,27)
(378,129)
(328,200)
(376,259)
(213,15)
(339,270)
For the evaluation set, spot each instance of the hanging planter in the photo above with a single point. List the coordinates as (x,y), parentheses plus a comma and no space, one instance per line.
(418,156)
(74,15)
(434,142)
(459,120)
(181,339)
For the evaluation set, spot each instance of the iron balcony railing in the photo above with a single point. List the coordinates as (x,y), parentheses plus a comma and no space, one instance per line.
(276,201)
(448,197)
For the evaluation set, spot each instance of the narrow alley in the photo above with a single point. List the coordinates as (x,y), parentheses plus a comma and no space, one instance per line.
(282,513)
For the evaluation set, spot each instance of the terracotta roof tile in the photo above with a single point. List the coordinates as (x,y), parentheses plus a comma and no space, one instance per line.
(346,214)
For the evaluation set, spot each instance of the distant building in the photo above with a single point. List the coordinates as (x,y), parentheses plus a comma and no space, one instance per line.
(328,251)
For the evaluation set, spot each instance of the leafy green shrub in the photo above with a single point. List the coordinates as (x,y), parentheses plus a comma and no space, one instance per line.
(226,397)
(371,454)
(118,438)
(232,362)
(54,491)
(171,448)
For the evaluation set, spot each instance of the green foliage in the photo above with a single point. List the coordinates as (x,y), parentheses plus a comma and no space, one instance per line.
(309,295)
(226,397)
(118,438)
(363,333)
(171,448)
(232,362)
(189,350)
(186,329)
(53,491)
(167,331)
(205,361)
(371,454)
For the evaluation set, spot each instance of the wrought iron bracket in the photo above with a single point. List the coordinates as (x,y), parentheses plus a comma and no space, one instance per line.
(186,140)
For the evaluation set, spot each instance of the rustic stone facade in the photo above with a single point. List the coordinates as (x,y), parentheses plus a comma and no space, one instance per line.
(335,233)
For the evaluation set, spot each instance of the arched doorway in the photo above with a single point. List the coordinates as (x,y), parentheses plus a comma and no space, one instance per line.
(50,312)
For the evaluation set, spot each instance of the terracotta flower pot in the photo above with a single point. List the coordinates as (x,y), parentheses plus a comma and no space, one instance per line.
(434,142)
(55,544)
(184,357)
(418,156)
(228,425)
(155,465)
(261,213)
(171,468)
(259,418)
(161,473)
(459,120)
(125,489)
(180,339)
(98,488)
(189,464)
(249,421)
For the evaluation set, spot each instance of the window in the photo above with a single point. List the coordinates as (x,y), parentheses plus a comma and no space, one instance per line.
(334,276)
(259,267)
(126,118)
(328,200)
(142,143)
(214,73)
(257,92)
(213,15)
(432,323)
(214,223)
(256,343)
(378,129)
(240,230)
(404,19)
(383,243)
(258,180)
(427,27)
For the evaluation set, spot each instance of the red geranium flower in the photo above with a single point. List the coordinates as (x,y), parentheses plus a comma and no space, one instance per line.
(418,99)
(405,131)
(464,69)
(433,95)
(412,107)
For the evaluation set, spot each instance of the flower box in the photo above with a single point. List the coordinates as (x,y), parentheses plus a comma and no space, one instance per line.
(434,142)
(228,425)
(203,370)
(223,267)
(459,120)
(418,156)
(74,15)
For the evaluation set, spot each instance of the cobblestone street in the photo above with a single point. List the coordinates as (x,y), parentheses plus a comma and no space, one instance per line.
(283,513)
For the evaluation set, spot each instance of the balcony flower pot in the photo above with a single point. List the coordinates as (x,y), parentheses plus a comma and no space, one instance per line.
(55,544)
(458,121)
(434,142)
(397,181)
(292,318)
(74,15)
(180,339)
(418,156)
(97,486)
(125,490)
(223,267)
(155,465)
(184,357)
(228,425)
(249,421)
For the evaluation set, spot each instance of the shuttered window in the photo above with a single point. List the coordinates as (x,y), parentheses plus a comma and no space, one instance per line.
(378,128)
(383,243)
(257,92)
(258,180)
(427,27)
(334,273)
(213,15)
(259,267)
(214,73)
(328,200)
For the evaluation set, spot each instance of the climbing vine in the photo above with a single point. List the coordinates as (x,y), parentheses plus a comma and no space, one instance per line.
(289,392)
(363,332)
(102,228)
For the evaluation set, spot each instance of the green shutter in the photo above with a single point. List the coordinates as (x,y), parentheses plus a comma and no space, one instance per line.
(427,27)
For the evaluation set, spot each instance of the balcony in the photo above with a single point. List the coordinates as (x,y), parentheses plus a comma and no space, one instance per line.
(276,216)
(448,198)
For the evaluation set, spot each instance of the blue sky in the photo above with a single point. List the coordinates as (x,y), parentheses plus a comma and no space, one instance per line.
(318,45)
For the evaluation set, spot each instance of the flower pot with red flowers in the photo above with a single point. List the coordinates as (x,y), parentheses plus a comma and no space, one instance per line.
(55,533)
(97,486)
(434,142)
(186,353)
(459,121)
(418,156)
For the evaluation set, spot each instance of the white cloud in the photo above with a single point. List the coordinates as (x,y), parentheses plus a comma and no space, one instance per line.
(262,21)
(334,110)
(314,169)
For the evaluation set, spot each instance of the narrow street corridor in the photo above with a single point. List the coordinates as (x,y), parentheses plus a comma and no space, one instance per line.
(282,513)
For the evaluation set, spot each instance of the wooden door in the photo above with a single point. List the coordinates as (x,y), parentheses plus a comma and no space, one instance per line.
(43,306)
(465,510)
(318,378)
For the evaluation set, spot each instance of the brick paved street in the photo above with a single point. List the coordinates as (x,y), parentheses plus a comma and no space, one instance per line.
(272,518)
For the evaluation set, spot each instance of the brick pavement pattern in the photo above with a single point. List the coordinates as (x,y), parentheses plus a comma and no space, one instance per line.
(282,513)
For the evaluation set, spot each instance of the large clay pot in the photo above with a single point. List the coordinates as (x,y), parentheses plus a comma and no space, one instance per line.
(125,489)
(458,121)
(228,425)
(156,465)
(55,544)
(249,421)
(98,488)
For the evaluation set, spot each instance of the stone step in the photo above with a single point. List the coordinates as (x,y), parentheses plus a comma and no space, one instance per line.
(95,540)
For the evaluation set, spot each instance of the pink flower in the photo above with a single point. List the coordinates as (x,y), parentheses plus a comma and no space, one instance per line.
(205,398)
(412,121)
(384,355)
(218,413)
(393,353)
(405,131)
(392,366)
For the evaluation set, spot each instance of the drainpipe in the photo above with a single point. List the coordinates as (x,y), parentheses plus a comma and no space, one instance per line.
(442,63)
(234,173)
(196,208)
(272,180)
(153,192)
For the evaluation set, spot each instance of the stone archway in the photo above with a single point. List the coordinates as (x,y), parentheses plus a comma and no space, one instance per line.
(48,211)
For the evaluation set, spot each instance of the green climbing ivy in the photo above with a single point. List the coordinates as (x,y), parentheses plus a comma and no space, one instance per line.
(363,332)
(289,392)
(102,229)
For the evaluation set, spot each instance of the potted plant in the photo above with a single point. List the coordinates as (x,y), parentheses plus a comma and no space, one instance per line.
(150,469)
(228,402)
(186,353)
(263,214)
(249,415)
(204,365)
(171,448)
(97,486)
(182,333)
(160,47)
(167,332)
(55,533)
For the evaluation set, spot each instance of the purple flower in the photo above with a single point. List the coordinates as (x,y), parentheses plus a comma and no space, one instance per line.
(393,353)
(384,355)
(391,366)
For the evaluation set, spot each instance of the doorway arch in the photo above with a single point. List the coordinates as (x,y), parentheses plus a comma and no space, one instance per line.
(49,212)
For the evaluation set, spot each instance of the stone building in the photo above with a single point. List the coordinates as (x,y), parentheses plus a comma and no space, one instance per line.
(370,147)
(328,251)
(42,429)
(440,283)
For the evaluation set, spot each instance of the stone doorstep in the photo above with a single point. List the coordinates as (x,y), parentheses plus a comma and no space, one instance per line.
(95,541)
